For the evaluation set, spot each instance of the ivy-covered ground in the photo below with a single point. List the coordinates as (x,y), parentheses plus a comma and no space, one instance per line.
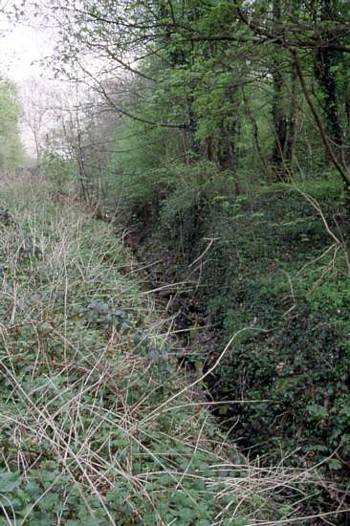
(275,266)
(283,270)
(97,424)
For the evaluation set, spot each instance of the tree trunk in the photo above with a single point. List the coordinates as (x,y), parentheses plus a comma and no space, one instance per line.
(226,152)
(292,118)
(255,131)
(325,61)
(279,116)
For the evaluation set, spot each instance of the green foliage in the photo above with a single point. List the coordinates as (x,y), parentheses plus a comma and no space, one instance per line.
(10,145)
(203,89)
(60,172)
(190,187)
(277,271)
(139,167)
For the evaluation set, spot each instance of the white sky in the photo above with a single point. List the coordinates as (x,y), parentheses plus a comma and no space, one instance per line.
(21,49)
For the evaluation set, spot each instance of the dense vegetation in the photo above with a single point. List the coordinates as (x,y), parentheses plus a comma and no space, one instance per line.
(98,424)
(220,103)
(214,137)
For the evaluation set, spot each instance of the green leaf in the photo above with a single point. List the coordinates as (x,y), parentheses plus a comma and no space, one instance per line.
(9,481)
(334,464)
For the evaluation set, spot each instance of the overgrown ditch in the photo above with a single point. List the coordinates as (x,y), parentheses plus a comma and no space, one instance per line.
(77,339)
(235,268)
(268,264)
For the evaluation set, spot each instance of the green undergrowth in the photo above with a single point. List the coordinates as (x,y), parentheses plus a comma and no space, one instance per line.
(278,265)
(97,424)
(288,278)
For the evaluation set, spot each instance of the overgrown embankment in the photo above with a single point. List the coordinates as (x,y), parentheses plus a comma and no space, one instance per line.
(277,263)
(98,426)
